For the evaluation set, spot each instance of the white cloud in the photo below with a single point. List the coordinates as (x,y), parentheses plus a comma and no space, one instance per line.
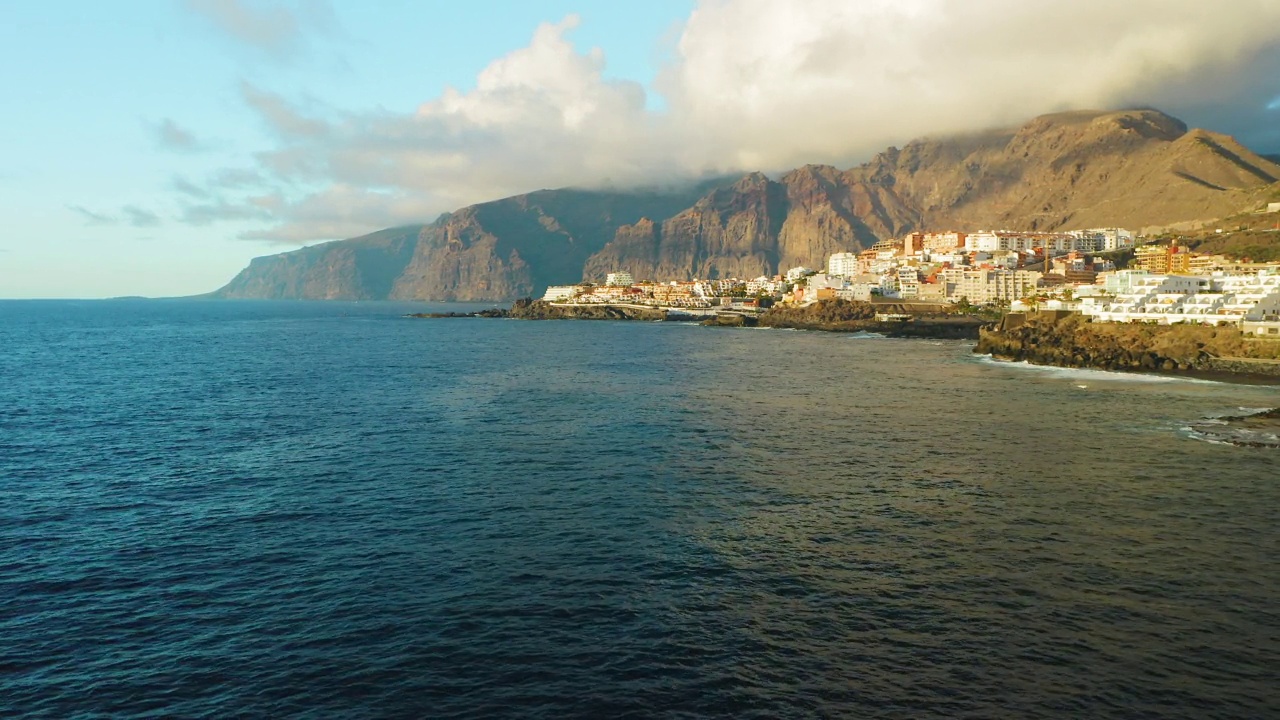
(840,79)
(754,84)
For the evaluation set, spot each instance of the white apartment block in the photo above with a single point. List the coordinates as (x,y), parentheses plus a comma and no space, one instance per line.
(982,287)
(987,241)
(908,282)
(560,293)
(943,241)
(764,285)
(844,264)
(1211,300)
(1107,239)
(621,278)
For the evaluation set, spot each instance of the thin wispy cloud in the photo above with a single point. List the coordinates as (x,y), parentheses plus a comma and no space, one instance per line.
(277,29)
(188,188)
(140,217)
(170,135)
(752,85)
(133,215)
(90,217)
(221,210)
(279,115)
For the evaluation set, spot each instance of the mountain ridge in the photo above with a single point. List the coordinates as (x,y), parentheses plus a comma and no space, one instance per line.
(1140,169)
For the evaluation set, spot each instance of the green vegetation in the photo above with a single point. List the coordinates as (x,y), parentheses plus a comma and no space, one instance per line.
(1248,245)
(1121,258)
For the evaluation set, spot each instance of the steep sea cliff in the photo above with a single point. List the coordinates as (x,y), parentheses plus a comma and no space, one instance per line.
(1135,169)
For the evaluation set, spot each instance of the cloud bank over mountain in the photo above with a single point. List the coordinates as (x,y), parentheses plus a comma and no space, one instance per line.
(751,84)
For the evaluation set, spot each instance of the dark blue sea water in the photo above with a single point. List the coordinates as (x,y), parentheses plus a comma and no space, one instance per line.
(328,510)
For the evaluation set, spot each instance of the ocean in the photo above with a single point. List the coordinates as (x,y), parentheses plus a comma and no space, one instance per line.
(319,510)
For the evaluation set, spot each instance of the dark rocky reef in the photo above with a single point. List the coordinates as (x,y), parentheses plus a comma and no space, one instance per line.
(491,313)
(527,309)
(926,320)
(1260,430)
(732,320)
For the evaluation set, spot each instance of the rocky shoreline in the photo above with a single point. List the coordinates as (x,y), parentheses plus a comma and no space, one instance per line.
(918,320)
(1069,340)
(1047,338)
(830,316)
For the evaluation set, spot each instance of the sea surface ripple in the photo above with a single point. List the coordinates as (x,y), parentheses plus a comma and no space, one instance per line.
(327,510)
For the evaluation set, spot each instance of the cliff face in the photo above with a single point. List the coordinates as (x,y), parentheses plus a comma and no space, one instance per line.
(519,245)
(1134,169)
(363,268)
(732,231)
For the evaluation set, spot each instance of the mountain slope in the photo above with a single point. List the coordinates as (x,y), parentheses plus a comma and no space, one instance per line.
(1136,169)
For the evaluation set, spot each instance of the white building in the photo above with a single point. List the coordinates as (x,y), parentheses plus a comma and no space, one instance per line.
(844,264)
(1108,239)
(621,278)
(796,273)
(988,241)
(943,241)
(560,293)
(982,287)
(908,282)
(1211,300)
(765,286)
(1121,282)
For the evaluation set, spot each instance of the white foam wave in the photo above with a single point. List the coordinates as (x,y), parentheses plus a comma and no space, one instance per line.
(1093,374)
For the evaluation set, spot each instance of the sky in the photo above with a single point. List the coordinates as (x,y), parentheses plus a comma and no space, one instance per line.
(153,147)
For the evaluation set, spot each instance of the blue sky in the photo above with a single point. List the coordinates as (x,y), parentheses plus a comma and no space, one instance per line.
(153,147)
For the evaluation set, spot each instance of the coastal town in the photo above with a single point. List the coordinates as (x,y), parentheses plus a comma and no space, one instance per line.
(1071,272)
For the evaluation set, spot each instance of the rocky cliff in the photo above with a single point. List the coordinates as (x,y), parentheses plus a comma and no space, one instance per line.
(1135,169)
(363,268)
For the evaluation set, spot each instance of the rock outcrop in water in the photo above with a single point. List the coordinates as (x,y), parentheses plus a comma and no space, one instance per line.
(1133,169)
(1259,430)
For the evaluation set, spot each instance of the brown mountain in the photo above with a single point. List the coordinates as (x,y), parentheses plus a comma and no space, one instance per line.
(1137,169)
